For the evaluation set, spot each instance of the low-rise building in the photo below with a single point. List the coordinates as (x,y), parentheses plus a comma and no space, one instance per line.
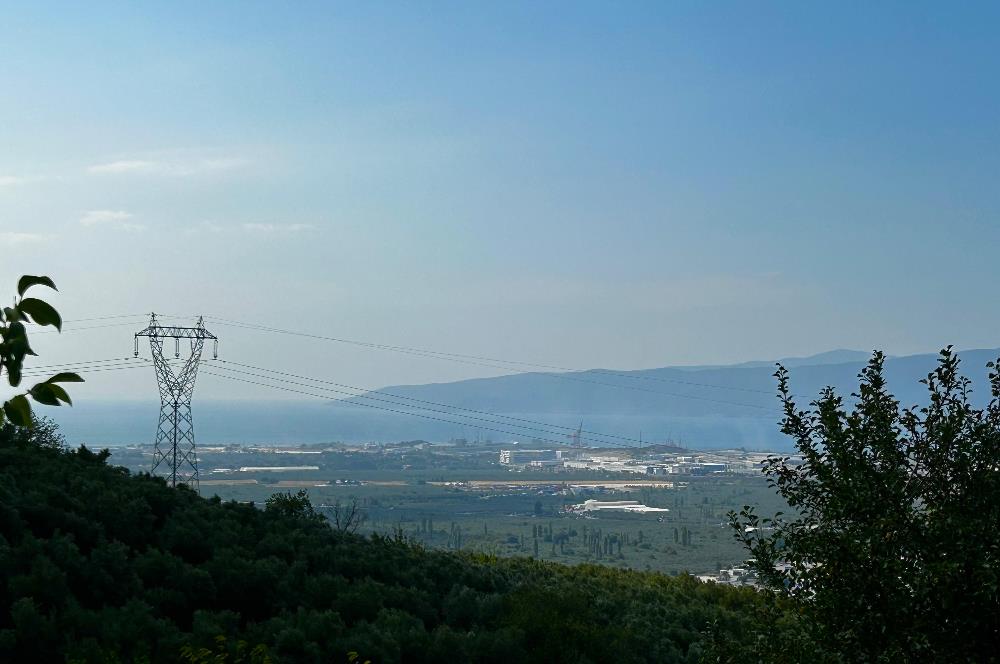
(616,505)
(522,457)
(275,469)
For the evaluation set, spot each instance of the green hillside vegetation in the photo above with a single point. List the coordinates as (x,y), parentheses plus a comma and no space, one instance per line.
(889,554)
(101,565)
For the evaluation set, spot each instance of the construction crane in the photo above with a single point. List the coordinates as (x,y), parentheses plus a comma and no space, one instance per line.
(576,438)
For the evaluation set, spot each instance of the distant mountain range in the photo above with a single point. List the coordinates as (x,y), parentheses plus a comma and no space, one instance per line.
(742,390)
(839,356)
(708,406)
(701,407)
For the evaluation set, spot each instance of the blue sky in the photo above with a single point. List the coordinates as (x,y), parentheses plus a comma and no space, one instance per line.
(587,184)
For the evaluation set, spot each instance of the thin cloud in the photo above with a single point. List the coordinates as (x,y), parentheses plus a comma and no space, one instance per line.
(118,219)
(167,167)
(15,239)
(124,166)
(11,180)
(272,229)
(205,227)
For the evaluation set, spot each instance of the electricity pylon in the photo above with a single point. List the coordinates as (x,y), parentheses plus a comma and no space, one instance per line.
(174,448)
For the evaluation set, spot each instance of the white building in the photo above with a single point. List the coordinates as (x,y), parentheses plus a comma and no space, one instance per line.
(275,469)
(521,457)
(616,505)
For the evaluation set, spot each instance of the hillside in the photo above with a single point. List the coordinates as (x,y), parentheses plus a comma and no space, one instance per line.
(103,566)
(668,403)
(702,406)
(737,391)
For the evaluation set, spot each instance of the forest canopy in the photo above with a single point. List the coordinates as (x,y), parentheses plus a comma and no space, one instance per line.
(101,565)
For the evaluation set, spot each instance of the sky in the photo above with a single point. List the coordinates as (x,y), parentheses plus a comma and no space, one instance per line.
(620,185)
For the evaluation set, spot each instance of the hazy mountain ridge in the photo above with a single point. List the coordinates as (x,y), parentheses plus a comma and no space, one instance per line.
(837,356)
(745,390)
(710,408)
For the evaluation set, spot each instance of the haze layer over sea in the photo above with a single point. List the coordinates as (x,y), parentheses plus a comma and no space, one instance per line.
(109,423)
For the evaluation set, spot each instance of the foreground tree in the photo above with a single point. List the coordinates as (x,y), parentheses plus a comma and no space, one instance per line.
(894,551)
(14,347)
(43,432)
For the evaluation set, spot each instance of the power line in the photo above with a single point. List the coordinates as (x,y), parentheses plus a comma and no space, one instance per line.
(393,403)
(90,367)
(115,364)
(69,364)
(86,371)
(83,320)
(453,357)
(87,327)
(103,326)
(111,317)
(442,354)
(475,360)
(363,392)
(389,410)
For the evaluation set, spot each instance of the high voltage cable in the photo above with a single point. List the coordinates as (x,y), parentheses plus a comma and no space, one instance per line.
(135,363)
(423,352)
(389,410)
(87,367)
(89,370)
(394,403)
(476,360)
(88,327)
(473,360)
(365,391)
(456,358)
(81,367)
(105,325)
(82,320)
(145,315)
(68,364)
(90,367)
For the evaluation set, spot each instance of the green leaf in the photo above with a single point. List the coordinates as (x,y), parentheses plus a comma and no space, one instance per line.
(59,393)
(27,281)
(42,393)
(65,377)
(15,348)
(40,311)
(13,372)
(18,411)
(14,331)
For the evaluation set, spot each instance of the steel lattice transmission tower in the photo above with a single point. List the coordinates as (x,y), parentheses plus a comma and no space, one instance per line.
(174,451)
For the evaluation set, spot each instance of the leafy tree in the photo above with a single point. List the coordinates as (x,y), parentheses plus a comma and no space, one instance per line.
(289,505)
(348,517)
(43,432)
(225,652)
(103,566)
(14,347)
(893,553)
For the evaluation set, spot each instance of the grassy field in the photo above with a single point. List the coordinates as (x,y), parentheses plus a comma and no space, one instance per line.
(529,518)
(472,503)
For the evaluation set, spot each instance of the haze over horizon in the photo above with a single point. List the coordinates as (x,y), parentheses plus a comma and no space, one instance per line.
(654,186)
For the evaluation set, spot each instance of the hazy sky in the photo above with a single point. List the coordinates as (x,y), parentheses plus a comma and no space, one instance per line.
(585,184)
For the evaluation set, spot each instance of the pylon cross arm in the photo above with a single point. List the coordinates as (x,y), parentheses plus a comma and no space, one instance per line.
(176,332)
